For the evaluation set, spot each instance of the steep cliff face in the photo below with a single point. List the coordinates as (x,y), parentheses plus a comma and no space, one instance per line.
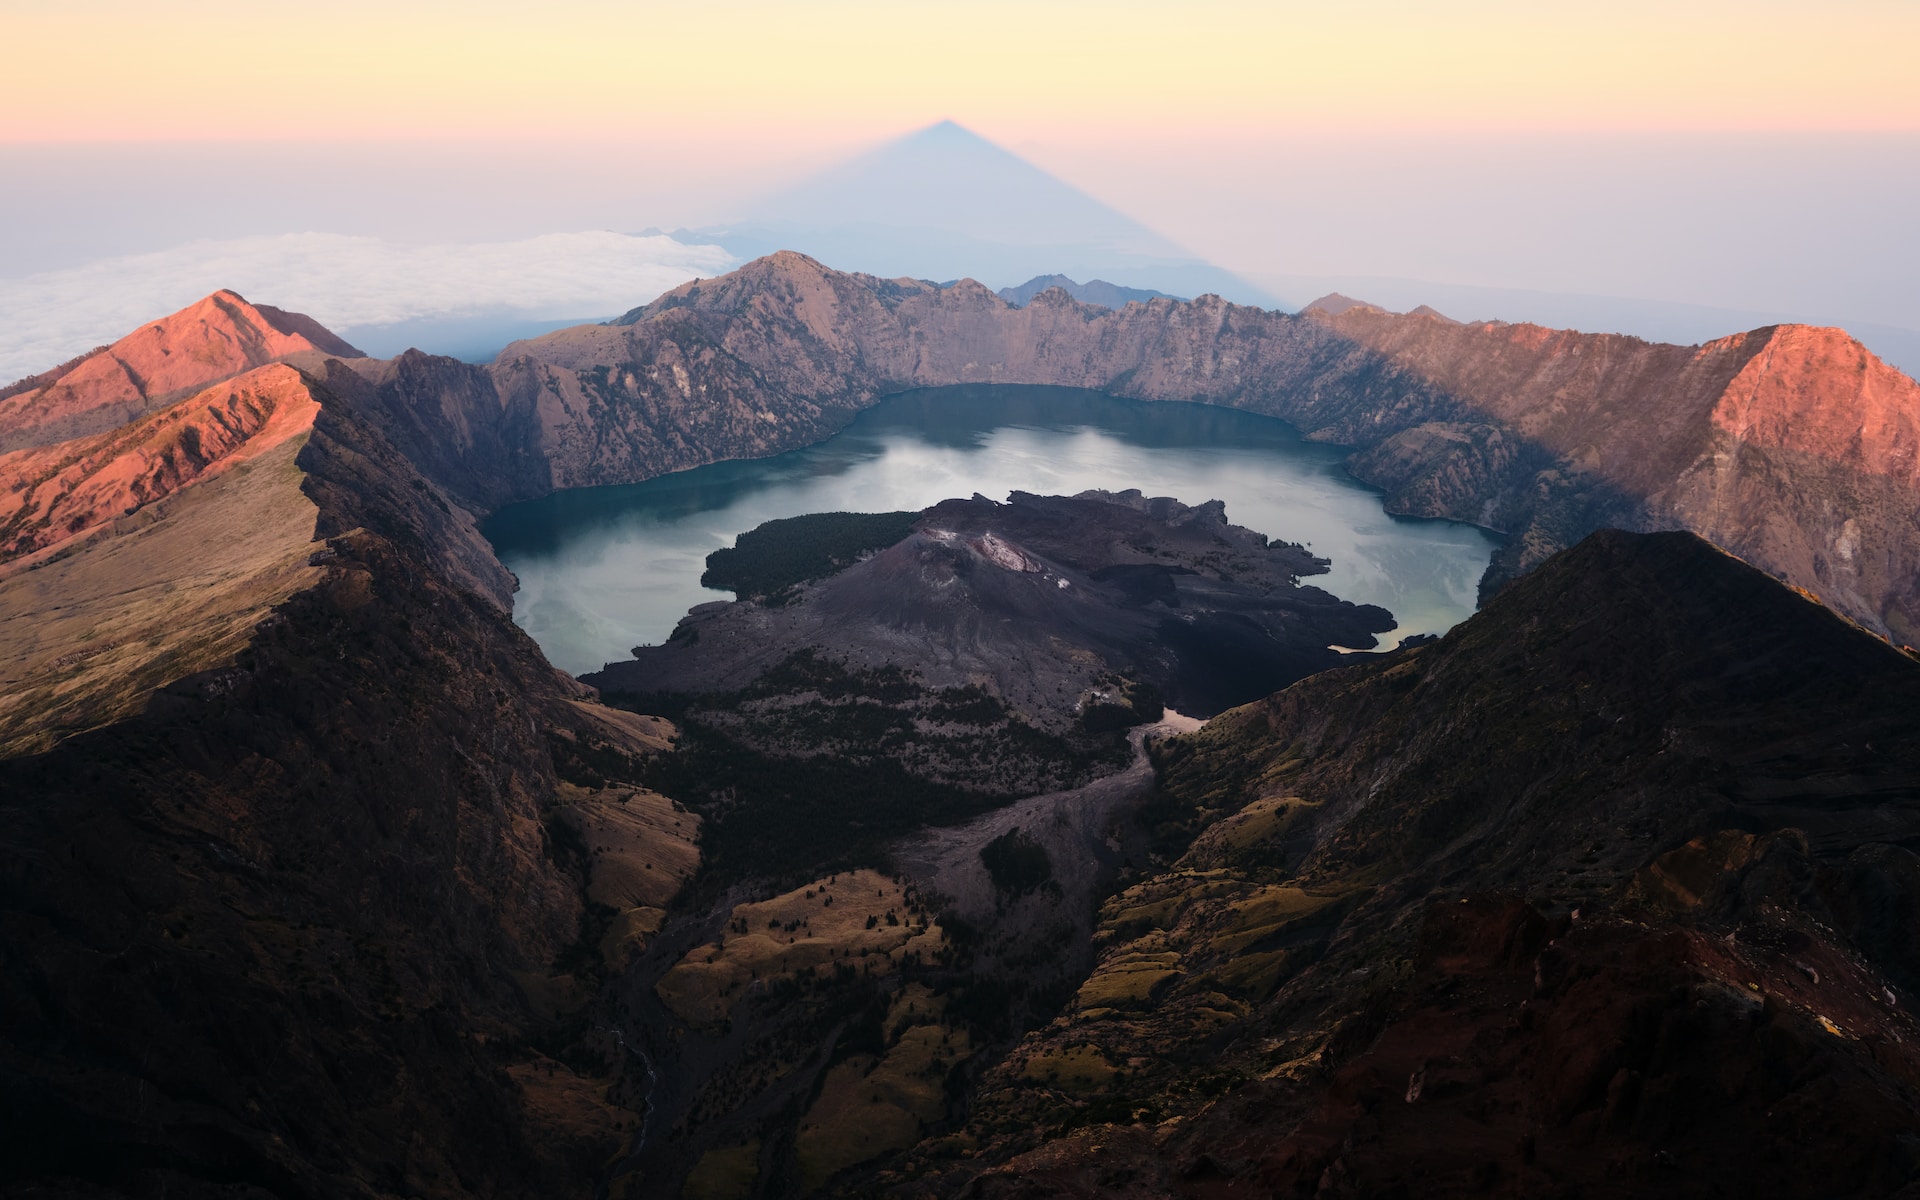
(217,338)
(57,492)
(1602,890)
(1792,446)
(784,351)
(1812,468)
(453,422)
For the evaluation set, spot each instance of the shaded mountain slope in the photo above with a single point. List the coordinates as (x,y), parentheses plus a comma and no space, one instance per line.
(1604,892)
(294,894)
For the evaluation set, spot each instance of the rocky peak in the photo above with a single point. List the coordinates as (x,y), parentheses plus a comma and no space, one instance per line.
(1818,391)
(213,339)
(1333,304)
(1054,296)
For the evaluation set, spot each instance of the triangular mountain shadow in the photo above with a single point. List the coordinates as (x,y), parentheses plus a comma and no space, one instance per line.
(946,203)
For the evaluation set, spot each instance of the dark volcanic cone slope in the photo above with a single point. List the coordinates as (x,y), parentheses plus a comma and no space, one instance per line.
(1608,892)
(1036,601)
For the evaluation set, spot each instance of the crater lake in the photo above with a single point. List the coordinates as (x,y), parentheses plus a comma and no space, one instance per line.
(604,569)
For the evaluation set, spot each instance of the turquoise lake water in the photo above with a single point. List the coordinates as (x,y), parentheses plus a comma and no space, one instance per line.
(604,569)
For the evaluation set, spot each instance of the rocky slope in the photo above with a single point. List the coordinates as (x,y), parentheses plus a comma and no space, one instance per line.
(1603,892)
(59,491)
(1792,446)
(311,867)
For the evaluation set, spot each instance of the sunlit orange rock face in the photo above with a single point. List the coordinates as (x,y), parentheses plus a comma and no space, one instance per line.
(1629,409)
(52,493)
(1818,391)
(1792,445)
(217,338)
(1625,409)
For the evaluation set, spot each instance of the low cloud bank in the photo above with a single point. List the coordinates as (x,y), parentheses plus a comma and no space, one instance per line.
(344,283)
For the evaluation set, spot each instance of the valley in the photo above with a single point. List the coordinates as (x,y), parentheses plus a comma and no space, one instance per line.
(912,871)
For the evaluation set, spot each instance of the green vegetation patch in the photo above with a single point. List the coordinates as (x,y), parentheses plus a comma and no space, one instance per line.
(1253,975)
(1130,981)
(1081,1068)
(870,1105)
(770,561)
(773,815)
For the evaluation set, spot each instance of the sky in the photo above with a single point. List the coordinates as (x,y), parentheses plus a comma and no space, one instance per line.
(113,69)
(1760,156)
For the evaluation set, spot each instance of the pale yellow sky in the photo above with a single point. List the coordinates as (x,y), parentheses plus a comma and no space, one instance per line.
(852,69)
(1741,154)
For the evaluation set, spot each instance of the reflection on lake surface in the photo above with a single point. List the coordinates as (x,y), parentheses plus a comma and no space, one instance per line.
(604,569)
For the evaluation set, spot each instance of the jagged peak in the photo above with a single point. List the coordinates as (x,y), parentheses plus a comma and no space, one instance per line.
(1816,390)
(216,337)
(227,311)
(724,291)
(784,269)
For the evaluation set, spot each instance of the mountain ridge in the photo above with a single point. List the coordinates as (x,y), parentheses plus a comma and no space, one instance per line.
(218,337)
(335,892)
(269,742)
(1544,435)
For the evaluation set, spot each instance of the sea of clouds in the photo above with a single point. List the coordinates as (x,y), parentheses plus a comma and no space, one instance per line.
(343,282)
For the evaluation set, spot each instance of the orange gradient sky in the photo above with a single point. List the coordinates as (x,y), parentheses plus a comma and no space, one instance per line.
(1759,159)
(840,72)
